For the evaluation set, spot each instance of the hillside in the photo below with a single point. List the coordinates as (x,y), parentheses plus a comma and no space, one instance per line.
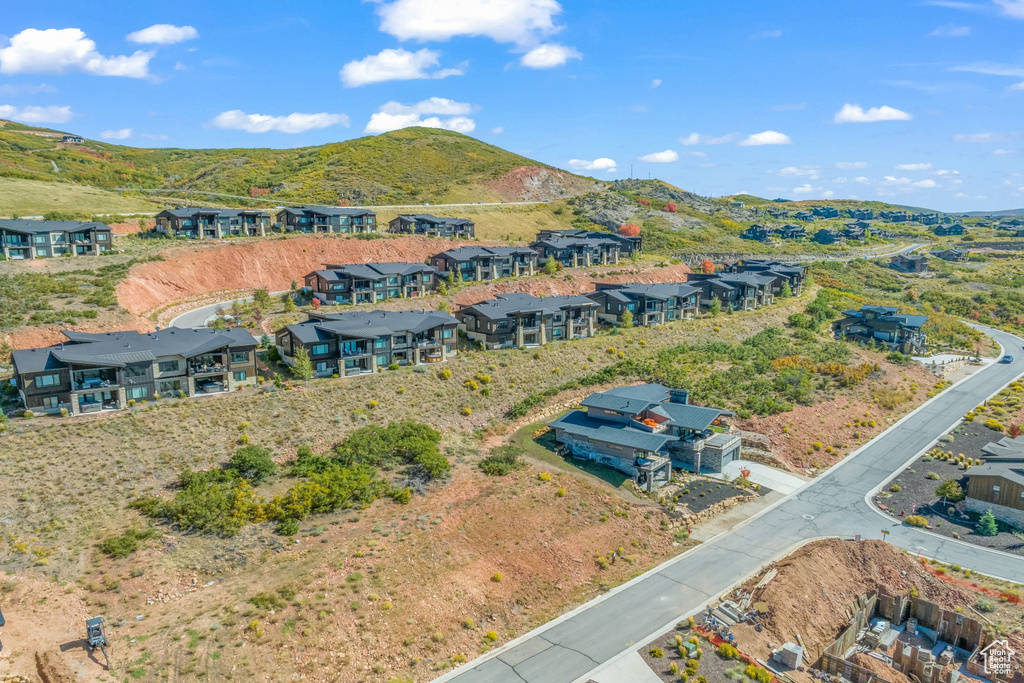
(405,166)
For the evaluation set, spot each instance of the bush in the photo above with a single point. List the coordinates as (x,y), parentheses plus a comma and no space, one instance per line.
(895,488)
(983,605)
(492,636)
(758,674)
(502,460)
(255,464)
(288,527)
(727,651)
(392,445)
(28,414)
(127,543)
(656,652)
(987,524)
(496,577)
(466,411)
(916,520)
(951,490)
(560,493)
(446,374)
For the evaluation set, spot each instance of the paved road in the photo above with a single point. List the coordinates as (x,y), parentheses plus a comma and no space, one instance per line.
(833,505)
(198,317)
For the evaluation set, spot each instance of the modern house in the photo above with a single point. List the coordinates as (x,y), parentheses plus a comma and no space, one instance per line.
(825,212)
(758,233)
(472,264)
(327,219)
(95,372)
(953,255)
(829,236)
(926,218)
(204,223)
(76,139)
(369,283)
(574,252)
(861,214)
(736,291)
(650,304)
(894,216)
(909,263)
(627,243)
(348,344)
(947,230)
(898,331)
(805,216)
(852,231)
(792,232)
(520,320)
(645,430)
(998,485)
(432,226)
(22,239)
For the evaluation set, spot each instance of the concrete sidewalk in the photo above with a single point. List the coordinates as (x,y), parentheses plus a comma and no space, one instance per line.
(629,668)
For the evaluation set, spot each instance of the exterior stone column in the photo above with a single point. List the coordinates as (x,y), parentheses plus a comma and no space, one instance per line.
(478,273)
(74,404)
(373,360)
(590,326)
(575,260)
(121,398)
(416,356)
(263,229)
(202,233)
(543,333)
(330,228)
(604,258)
(519,333)
(217,231)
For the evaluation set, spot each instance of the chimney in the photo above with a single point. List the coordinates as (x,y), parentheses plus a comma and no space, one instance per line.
(678,396)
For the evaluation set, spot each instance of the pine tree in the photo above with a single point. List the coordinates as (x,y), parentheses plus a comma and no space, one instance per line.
(715,307)
(787,291)
(627,318)
(261,298)
(987,524)
(288,301)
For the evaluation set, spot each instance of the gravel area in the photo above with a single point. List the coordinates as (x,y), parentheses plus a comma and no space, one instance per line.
(700,494)
(712,667)
(917,492)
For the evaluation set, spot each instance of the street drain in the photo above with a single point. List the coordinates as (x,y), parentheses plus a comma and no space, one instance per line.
(808,516)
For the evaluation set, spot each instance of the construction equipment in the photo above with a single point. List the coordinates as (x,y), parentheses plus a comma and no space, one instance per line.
(97,637)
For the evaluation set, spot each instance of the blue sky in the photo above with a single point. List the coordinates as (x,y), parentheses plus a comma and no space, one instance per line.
(917,103)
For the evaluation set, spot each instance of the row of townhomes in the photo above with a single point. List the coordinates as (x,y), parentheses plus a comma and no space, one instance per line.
(22,239)
(432,226)
(518,320)
(371,283)
(647,430)
(94,372)
(196,222)
(348,344)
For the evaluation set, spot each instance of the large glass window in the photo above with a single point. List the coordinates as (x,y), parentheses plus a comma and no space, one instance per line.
(380,343)
(382,360)
(41,239)
(240,357)
(168,366)
(136,392)
(239,375)
(318,349)
(47,380)
(51,402)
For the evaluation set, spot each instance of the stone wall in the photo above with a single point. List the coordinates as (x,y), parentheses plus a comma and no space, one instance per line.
(1001,512)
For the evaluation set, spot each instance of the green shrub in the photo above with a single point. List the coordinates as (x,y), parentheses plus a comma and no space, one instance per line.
(895,488)
(288,527)
(987,524)
(127,543)
(255,464)
(951,490)
(727,651)
(983,605)
(758,674)
(502,460)
(916,520)
(656,652)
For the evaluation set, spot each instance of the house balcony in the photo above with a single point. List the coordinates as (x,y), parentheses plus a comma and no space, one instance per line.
(529,329)
(98,406)
(94,383)
(204,369)
(427,343)
(211,386)
(355,353)
(648,425)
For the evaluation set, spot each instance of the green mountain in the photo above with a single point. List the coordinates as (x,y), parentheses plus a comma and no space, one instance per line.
(412,165)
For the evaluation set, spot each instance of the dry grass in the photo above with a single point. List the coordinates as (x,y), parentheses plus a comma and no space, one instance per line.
(507,223)
(36,197)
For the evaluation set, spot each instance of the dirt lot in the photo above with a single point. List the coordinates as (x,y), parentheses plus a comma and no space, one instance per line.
(813,438)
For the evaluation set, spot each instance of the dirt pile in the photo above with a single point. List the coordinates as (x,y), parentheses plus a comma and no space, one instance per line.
(536,184)
(131,227)
(271,263)
(816,586)
(46,335)
(53,670)
(579,284)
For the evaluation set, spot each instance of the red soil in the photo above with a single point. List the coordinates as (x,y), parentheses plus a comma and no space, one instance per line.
(32,337)
(271,263)
(131,227)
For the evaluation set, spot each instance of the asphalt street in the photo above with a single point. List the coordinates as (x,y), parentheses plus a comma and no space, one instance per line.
(833,505)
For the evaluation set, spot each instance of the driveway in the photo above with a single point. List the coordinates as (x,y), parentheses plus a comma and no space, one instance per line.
(766,476)
(833,505)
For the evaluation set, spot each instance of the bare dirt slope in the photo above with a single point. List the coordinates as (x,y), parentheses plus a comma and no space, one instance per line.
(536,184)
(270,263)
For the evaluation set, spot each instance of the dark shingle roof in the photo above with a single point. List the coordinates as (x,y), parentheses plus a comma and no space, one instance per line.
(430,218)
(327,211)
(369,324)
(579,424)
(31,226)
(516,302)
(660,290)
(468,253)
(373,271)
(116,349)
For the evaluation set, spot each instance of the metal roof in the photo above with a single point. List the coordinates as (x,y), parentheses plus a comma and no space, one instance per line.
(32,226)
(469,253)
(369,324)
(579,424)
(517,302)
(430,218)
(373,271)
(327,211)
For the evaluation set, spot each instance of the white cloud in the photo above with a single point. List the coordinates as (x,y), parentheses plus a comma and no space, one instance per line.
(768,137)
(1005,152)
(549,55)
(12,90)
(991,69)
(394,65)
(854,113)
(394,115)
(812,172)
(926,183)
(155,136)
(656,83)
(599,164)
(806,188)
(60,50)
(664,157)
(497,130)
(1016,86)
(51,114)
(120,134)
(984,137)
(1012,8)
(237,119)
(698,139)
(694,153)
(851,164)
(951,31)
(913,167)
(163,34)
(520,22)
(768,34)
(861,179)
